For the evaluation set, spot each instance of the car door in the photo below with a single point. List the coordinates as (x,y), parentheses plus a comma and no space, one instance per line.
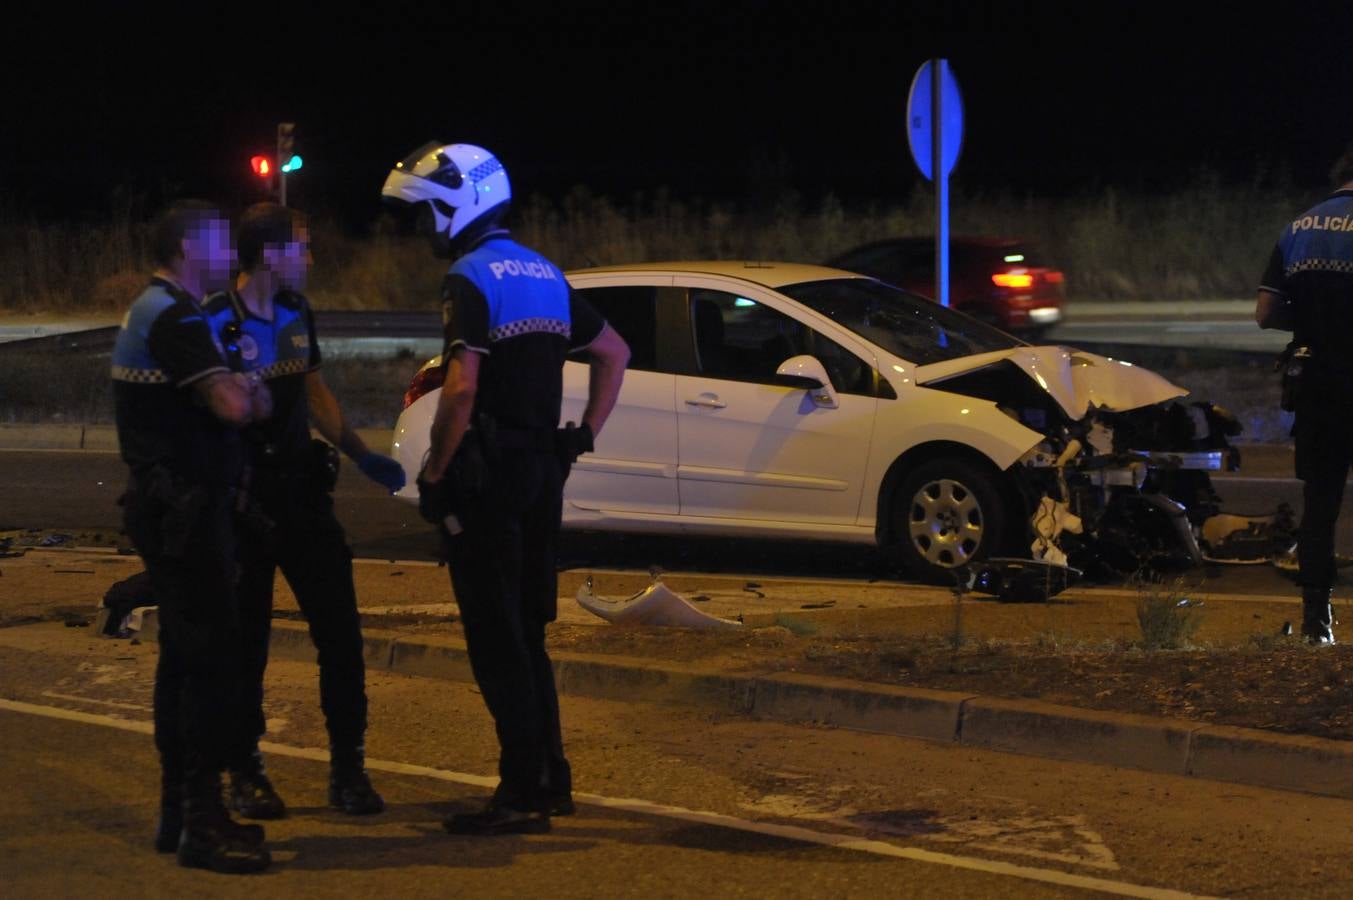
(754,449)
(634,466)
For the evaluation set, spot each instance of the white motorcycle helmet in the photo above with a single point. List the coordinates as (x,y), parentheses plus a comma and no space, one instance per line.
(460,183)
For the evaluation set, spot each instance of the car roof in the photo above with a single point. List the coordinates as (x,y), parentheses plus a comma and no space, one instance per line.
(767,274)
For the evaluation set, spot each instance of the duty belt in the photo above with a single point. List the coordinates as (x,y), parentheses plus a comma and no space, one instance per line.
(538,439)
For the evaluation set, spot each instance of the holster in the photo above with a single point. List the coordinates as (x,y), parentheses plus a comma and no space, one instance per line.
(1293,363)
(467,478)
(325,462)
(182,503)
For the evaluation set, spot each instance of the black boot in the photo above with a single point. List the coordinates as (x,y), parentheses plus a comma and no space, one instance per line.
(171,815)
(1317,616)
(498,818)
(252,794)
(210,840)
(171,818)
(350,788)
(172,773)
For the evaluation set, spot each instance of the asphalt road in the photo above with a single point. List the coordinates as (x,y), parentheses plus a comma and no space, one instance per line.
(674,803)
(78,490)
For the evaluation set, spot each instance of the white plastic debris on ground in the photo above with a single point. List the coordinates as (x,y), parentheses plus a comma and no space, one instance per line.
(654,605)
(1049,521)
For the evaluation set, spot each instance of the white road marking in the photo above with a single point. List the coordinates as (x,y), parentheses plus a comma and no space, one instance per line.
(113,703)
(662,810)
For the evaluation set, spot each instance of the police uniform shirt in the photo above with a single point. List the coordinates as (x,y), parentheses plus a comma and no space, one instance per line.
(282,351)
(1312,268)
(163,348)
(514,306)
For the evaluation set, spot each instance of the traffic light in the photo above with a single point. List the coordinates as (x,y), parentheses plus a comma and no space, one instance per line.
(261,165)
(292,164)
(286,132)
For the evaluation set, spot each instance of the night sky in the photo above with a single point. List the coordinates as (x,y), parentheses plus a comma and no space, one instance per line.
(726,101)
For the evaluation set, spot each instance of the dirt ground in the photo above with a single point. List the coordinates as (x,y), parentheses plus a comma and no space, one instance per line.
(1086,648)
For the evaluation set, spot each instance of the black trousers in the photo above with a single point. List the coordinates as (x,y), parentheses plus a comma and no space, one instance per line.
(503,572)
(1324,449)
(309,546)
(198,701)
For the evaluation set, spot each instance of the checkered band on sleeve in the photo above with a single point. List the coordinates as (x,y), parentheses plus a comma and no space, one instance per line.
(1320,265)
(285,367)
(140,376)
(530,326)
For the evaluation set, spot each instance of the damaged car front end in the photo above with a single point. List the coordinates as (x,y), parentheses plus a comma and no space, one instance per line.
(1120,480)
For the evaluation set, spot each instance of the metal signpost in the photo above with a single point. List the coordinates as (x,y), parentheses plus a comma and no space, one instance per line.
(935,133)
(285,138)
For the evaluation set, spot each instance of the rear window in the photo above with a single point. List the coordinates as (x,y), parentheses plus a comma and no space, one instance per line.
(908,326)
(1005,257)
(630,310)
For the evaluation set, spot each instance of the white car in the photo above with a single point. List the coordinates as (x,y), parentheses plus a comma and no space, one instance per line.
(776,400)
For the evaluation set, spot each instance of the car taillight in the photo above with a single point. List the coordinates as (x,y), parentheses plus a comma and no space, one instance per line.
(426,381)
(1027,278)
(1013,279)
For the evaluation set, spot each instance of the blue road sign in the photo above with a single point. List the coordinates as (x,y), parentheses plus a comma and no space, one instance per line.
(920,119)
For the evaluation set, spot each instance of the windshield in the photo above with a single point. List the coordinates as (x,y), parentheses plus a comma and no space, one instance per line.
(906,325)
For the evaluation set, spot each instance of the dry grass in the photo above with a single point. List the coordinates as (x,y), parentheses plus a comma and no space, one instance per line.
(1210,240)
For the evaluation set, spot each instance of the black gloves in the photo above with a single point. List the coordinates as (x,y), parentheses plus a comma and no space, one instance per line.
(570,442)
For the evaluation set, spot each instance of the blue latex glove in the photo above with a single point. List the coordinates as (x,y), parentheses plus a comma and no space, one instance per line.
(383,470)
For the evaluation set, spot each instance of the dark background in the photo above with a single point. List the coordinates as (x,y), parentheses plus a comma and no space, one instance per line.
(119,106)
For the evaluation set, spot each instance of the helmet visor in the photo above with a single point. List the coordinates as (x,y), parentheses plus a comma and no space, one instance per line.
(407,163)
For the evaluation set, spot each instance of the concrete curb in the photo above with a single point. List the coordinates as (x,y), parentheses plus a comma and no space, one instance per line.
(1033,728)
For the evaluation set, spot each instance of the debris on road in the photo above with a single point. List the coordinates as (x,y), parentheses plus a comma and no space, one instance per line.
(655,605)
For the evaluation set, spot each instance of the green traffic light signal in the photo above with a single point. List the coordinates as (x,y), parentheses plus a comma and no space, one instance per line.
(292,164)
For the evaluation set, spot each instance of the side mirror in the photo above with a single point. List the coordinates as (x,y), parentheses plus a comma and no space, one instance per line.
(806,373)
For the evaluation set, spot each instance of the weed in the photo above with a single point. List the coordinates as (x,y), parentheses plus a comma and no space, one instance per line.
(1165,614)
(794,624)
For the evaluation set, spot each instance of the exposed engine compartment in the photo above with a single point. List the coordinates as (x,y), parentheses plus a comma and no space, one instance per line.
(1111,492)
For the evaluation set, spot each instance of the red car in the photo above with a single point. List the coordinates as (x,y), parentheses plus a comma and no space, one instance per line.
(1003,281)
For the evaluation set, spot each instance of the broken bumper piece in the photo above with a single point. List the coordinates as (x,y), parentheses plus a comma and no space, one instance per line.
(654,605)
(1013,580)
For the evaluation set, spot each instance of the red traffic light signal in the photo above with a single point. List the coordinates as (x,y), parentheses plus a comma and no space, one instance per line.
(261,165)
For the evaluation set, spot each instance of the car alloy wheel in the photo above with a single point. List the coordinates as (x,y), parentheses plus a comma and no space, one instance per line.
(947,513)
(945,523)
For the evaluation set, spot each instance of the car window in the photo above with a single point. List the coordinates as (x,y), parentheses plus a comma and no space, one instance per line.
(741,340)
(1001,258)
(630,311)
(912,327)
(849,374)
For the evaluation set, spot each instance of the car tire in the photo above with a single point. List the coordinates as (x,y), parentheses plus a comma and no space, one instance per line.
(946,513)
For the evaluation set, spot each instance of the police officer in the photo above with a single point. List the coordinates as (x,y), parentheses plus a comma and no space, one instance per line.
(493,478)
(1308,289)
(178,408)
(287,521)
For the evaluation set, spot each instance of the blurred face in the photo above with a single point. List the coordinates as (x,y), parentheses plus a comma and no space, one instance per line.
(208,256)
(290,262)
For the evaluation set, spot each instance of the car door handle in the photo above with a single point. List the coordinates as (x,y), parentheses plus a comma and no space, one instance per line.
(709,401)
